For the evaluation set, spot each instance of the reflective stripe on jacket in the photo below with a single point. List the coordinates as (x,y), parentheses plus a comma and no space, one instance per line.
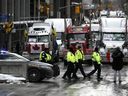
(71,57)
(48,57)
(40,57)
(79,55)
(96,57)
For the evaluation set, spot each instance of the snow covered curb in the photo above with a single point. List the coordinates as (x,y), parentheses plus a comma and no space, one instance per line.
(5,78)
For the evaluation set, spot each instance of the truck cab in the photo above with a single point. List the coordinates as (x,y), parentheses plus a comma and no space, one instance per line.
(77,35)
(39,38)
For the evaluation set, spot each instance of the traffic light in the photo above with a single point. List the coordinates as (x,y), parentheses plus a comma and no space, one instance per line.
(77,9)
(8,27)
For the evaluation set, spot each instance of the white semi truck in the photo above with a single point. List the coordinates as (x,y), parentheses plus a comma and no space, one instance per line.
(39,37)
(112,34)
(60,25)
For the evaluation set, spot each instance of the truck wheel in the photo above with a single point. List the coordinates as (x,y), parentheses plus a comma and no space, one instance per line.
(34,75)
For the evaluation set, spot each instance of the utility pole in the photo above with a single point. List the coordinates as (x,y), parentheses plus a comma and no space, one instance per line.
(38,9)
(68,9)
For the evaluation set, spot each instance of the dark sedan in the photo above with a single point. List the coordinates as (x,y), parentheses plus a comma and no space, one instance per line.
(35,70)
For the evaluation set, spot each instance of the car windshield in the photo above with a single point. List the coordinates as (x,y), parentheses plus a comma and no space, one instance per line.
(76,36)
(41,38)
(113,37)
(8,56)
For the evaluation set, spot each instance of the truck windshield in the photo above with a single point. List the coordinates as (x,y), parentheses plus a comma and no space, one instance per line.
(76,37)
(113,37)
(41,38)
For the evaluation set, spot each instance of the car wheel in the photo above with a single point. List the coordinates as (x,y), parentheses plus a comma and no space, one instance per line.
(34,75)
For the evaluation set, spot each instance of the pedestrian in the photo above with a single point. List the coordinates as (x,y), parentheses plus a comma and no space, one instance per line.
(117,64)
(18,47)
(96,61)
(45,56)
(79,54)
(70,64)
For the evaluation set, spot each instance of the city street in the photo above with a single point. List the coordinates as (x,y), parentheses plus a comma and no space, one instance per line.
(45,31)
(59,87)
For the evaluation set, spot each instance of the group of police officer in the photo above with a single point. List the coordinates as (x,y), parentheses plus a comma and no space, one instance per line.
(75,60)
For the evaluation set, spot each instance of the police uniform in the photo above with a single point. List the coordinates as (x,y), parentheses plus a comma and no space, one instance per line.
(45,56)
(79,60)
(70,64)
(96,60)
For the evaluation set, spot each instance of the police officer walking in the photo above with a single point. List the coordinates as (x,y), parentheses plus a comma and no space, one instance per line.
(70,64)
(79,60)
(96,60)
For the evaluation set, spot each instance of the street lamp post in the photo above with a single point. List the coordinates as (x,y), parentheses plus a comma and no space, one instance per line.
(38,9)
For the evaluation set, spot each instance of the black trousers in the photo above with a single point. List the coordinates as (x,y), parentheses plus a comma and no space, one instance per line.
(78,66)
(69,71)
(97,67)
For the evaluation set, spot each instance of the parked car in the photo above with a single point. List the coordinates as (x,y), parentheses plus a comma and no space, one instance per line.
(36,71)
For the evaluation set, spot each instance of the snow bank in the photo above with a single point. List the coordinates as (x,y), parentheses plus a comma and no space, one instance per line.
(11,79)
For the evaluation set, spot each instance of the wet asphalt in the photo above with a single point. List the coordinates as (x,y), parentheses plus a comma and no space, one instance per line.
(60,87)
(105,87)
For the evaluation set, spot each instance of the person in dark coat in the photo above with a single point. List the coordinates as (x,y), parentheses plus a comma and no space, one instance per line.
(18,48)
(117,64)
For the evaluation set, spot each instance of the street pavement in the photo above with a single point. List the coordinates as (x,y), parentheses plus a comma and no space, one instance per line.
(92,87)
(60,87)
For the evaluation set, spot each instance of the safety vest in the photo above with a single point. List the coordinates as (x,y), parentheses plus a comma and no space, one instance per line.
(40,57)
(71,57)
(96,57)
(48,57)
(79,55)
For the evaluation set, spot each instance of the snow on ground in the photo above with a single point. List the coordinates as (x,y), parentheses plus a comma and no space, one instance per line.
(11,79)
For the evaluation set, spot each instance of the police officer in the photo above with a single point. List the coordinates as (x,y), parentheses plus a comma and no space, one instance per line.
(96,60)
(79,60)
(45,56)
(70,64)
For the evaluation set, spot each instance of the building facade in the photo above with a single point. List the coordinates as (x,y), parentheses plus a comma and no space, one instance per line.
(14,9)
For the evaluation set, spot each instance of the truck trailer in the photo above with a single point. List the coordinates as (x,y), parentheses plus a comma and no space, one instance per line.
(113,33)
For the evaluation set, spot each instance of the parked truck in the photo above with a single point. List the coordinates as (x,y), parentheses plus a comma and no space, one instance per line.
(39,38)
(113,33)
(77,35)
(60,25)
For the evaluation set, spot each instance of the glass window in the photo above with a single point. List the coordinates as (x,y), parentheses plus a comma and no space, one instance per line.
(32,39)
(10,56)
(3,56)
(76,37)
(113,37)
(43,38)
(39,29)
